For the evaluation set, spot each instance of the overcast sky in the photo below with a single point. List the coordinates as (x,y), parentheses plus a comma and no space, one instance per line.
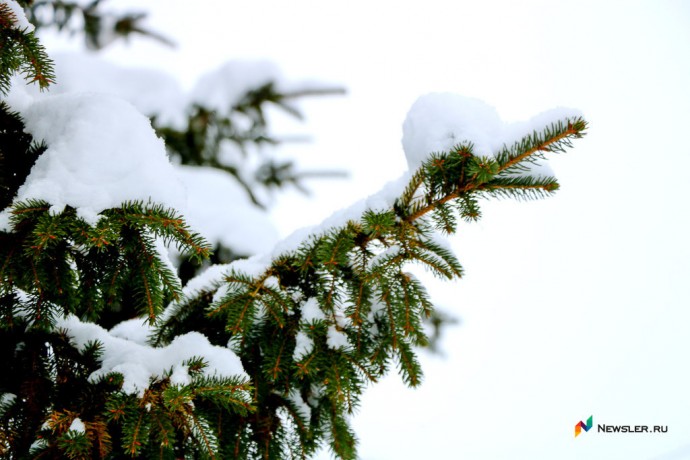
(573,306)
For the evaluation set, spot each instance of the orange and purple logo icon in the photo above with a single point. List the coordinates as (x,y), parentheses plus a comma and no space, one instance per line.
(579,426)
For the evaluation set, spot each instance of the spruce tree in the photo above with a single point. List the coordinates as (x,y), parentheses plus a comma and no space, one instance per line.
(263,357)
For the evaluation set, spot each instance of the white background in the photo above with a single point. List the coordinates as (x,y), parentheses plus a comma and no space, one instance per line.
(573,306)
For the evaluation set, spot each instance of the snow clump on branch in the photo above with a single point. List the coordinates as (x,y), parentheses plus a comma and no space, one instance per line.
(21,22)
(101,153)
(438,122)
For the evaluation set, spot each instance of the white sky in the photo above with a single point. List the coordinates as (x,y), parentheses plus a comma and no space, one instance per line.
(573,306)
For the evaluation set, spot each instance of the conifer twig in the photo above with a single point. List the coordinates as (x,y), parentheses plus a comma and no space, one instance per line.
(571,131)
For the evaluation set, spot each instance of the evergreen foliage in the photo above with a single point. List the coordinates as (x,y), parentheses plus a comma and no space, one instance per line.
(243,124)
(20,51)
(312,326)
(357,275)
(207,130)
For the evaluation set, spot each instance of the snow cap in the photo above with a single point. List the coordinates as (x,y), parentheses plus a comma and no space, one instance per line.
(101,153)
(439,121)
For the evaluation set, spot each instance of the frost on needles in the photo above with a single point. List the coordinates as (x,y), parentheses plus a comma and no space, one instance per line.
(265,357)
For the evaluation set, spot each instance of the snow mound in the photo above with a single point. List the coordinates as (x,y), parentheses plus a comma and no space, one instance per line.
(78,426)
(140,363)
(101,152)
(135,330)
(151,91)
(439,121)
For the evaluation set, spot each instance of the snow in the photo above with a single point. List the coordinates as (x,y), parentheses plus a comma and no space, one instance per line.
(180,376)
(211,279)
(19,96)
(303,346)
(21,22)
(151,91)
(5,225)
(135,330)
(256,265)
(335,338)
(317,390)
(139,364)
(164,256)
(437,122)
(383,256)
(376,309)
(101,153)
(206,281)
(219,209)
(157,93)
(302,407)
(253,266)
(381,201)
(311,311)
(77,425)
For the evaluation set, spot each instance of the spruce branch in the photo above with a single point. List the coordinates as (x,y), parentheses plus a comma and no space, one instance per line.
(21,51)
(555,138)
(316,323)
(96,270)
(370,310)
